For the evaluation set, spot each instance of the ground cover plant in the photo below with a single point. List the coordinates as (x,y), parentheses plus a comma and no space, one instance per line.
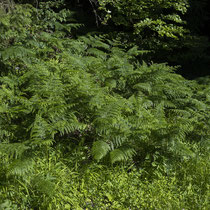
(86,123)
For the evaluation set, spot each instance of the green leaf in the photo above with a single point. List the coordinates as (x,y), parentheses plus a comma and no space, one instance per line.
(100,149)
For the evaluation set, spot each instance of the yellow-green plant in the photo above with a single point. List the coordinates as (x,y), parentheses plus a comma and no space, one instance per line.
(67,103)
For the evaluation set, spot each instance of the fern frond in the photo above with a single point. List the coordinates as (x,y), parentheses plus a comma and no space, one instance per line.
(20,167)
(16,52)
(134,51)
(96,52)
(117,141)
(13,150)
(121,154)
(44,185)
(143,87)
(100,149)
(96,42)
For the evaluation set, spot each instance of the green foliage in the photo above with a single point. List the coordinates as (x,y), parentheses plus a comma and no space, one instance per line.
(6,5)
(92,89)
(66,103)
(53,185)
(100,149)
(154,24)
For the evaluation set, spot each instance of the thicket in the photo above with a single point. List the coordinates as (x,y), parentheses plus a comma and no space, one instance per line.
(87,123)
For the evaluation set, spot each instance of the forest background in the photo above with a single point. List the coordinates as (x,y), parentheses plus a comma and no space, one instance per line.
(104,104)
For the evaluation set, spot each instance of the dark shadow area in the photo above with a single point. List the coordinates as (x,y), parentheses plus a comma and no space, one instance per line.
(195,56)
(192,54)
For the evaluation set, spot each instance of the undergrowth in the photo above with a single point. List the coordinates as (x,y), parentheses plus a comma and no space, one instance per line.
(52,184)
(73,110)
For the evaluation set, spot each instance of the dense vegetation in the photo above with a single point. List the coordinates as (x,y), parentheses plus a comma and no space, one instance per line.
(89,119)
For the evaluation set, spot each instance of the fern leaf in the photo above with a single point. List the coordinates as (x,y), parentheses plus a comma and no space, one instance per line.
(12,150)
(20,167)
(16,52)
(121,154)
(143,87)
(134,51)
(96,52)
(44,185)
(100,149)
